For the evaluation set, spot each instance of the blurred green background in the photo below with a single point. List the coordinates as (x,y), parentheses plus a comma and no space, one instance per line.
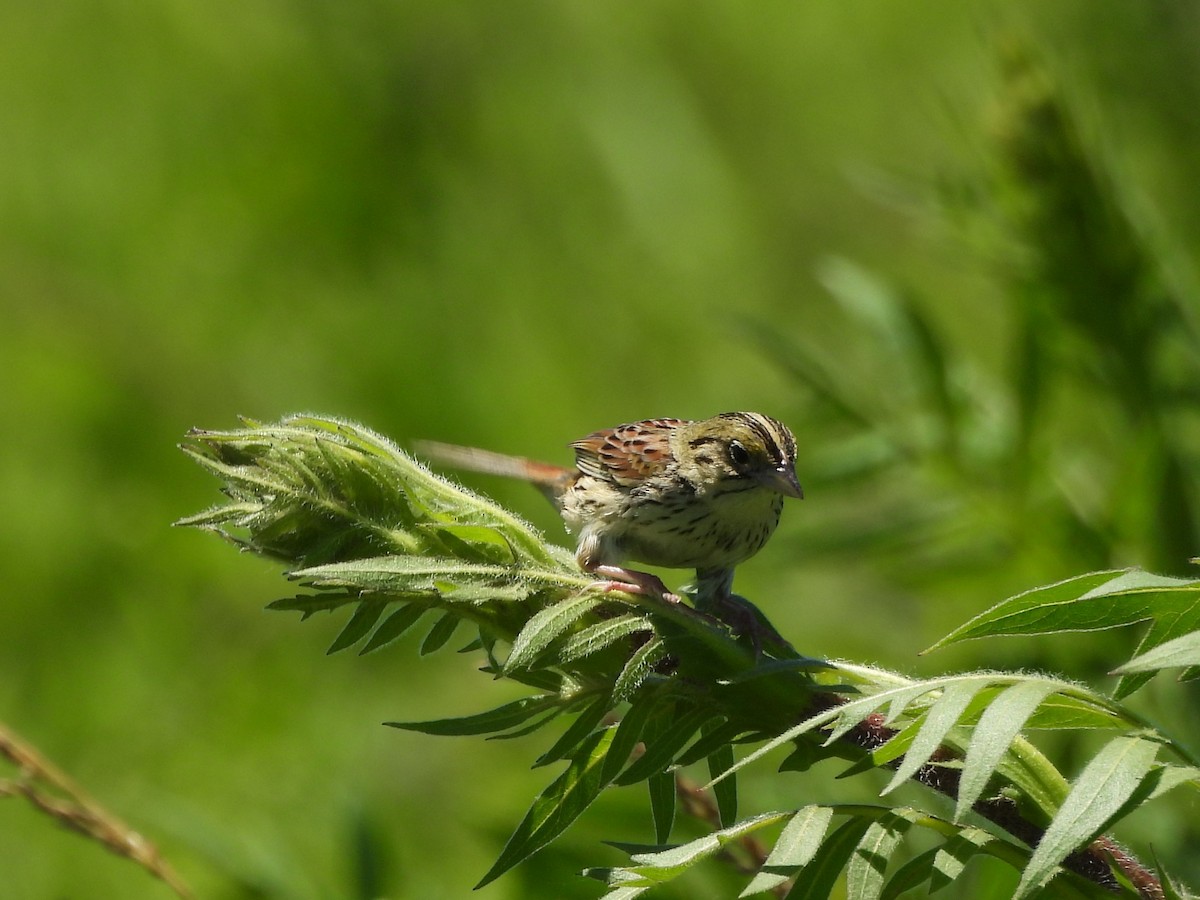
(949,243)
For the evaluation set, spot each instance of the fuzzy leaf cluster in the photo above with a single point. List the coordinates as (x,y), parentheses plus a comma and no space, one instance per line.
(633,691)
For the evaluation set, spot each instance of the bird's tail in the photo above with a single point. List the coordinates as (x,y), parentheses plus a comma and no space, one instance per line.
(550,479)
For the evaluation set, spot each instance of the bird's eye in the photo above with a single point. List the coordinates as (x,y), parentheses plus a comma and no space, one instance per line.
(739,455)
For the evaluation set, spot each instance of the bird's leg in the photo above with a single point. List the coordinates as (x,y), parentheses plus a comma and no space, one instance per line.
(714,595)
(595,554)
(631,581)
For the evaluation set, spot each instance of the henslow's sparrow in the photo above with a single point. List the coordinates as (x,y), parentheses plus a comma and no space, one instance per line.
(666,492)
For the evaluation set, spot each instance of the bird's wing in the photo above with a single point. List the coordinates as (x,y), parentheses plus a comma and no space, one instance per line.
(627,454)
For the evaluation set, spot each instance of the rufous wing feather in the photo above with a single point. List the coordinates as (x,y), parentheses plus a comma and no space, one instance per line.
(627,454)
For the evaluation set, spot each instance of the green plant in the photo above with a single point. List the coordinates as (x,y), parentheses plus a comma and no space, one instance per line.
(651,688)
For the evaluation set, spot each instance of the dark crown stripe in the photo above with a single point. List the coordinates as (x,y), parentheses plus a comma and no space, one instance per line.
(781,447)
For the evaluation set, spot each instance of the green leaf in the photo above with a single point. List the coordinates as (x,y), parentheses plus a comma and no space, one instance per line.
(626,893)
(498,719)
(868,865)
(942,716)
(1059,711)
(897,699)
(662,750)
(952,857)
(798,843)
(939,866)
(999,724)
(662,804)
(712,737)
(639,667)
(629,732)
(821,874)
(1165,778)
(364,619)
(1093,602)
(666,865)
(809,724)
(484,543)
(1181,651)
(596,637)
(545,626)
(440,633)
(394,626)
(557,806)
(533,726)
(724,789)
(894,748)
(586,722)
(310,604)
(910,876)
(1171,891)
(1111,777)
(1042,610)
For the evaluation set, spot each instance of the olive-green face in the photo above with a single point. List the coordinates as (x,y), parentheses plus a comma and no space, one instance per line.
(747,448)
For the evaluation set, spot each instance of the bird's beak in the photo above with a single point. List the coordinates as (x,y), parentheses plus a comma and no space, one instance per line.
(782,481)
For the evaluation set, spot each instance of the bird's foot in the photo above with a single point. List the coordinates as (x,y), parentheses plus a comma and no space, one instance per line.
(631,581)
(746,621)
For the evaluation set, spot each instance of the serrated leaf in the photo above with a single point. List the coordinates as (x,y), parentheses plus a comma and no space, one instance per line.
(787,737)
(639,667)
(527,729)
(596,637)
(441,632)
(804,755)
(394,626)
(1107,781)
(821,874)
(626,893)
(724,789)
(942,716)
(498,719)
(1056,607)
(894,748)
(484,542)
(586,722)
(999,724)
(1062,711)
(797,844)
(943,865)
(868,864)
(309,604)
(952,857)
(662,804)
(1171,891)
(545,626)
(629,732)
(1093,602)
(713,735)
(1181,651)
(663,748)
(362,621)
(897,700)
(910,876)
(666,865)
(408,574)
(557,806)
(1165,778)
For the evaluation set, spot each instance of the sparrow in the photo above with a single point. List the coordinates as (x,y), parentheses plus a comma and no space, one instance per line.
(675,493)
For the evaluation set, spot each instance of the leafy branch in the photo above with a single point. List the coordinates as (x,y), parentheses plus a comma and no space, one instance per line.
(652,687)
